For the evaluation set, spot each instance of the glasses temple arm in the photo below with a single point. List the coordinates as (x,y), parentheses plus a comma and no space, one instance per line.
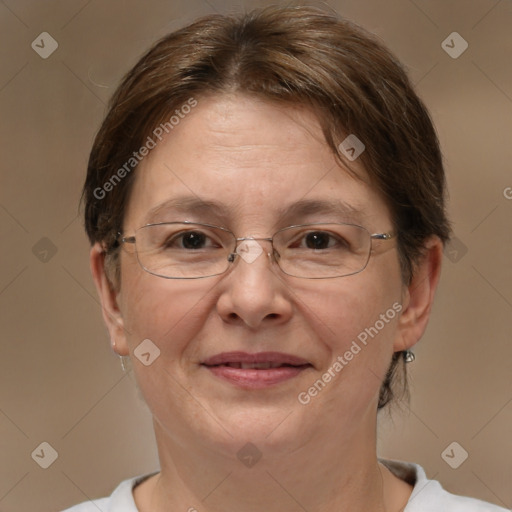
(382,236)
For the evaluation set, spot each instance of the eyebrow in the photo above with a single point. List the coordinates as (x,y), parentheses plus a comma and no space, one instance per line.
(186,205)
(190,205)
(339,210)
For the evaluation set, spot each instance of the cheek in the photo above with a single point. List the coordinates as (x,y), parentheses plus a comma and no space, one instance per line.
(171,314)
(340,311)
(168,312)
(355,323)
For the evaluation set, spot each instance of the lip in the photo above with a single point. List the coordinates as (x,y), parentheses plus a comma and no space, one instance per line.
(259,357)
(252,378)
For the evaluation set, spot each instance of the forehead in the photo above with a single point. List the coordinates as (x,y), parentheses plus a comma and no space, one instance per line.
(239,156)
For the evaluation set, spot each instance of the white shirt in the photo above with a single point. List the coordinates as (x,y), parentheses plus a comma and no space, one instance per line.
(427,495)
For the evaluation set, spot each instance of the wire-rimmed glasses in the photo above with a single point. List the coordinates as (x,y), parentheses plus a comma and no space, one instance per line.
(189,250)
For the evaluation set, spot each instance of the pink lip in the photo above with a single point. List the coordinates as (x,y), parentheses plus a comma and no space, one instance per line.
(251,378)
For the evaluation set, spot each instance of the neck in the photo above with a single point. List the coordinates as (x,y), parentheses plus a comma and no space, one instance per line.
(321,475)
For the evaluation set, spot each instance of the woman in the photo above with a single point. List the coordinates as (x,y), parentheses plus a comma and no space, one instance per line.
(265,204)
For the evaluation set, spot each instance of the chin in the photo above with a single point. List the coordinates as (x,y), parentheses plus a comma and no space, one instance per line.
(267,427)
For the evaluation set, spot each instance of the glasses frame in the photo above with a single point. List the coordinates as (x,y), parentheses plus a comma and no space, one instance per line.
(232,255)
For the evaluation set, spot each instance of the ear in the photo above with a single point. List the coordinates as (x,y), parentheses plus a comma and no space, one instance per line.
(109,301)
(419,295)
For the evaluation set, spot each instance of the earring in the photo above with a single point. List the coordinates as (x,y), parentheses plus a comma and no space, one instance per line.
(409,356)
(125,363)
(125,360)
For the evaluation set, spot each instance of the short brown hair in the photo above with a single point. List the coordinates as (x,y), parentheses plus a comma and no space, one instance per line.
(295,55)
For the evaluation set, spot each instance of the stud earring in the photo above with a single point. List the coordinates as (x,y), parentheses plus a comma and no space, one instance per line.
(409,356)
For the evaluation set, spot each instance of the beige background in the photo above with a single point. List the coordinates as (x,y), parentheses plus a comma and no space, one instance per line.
(61,384)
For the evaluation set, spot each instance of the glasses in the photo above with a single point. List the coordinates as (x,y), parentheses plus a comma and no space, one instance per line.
(187,250)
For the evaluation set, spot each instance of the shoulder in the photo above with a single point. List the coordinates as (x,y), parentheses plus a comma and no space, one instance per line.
(121,500)
(429,495)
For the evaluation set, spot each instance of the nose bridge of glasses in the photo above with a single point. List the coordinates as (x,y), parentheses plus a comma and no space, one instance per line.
(257,239)
(249,248)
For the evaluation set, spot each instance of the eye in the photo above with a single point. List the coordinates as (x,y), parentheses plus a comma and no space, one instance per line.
(191,240)
(318,240)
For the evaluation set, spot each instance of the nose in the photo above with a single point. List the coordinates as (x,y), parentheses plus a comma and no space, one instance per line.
(254,293)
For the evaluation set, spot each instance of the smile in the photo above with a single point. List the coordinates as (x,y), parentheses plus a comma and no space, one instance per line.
(255,371)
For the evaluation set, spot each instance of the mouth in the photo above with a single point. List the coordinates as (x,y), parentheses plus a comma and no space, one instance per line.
(255,371)
(255,366)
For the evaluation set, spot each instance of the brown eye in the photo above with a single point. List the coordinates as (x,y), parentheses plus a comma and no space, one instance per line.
(193,240)
(317,240)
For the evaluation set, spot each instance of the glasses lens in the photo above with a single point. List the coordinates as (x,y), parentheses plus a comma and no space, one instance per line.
(184,250)
(323,250)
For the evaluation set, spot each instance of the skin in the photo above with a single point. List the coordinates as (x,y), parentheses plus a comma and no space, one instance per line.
(257,159)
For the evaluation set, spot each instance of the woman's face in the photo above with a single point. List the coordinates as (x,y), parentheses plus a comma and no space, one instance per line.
(254,168)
